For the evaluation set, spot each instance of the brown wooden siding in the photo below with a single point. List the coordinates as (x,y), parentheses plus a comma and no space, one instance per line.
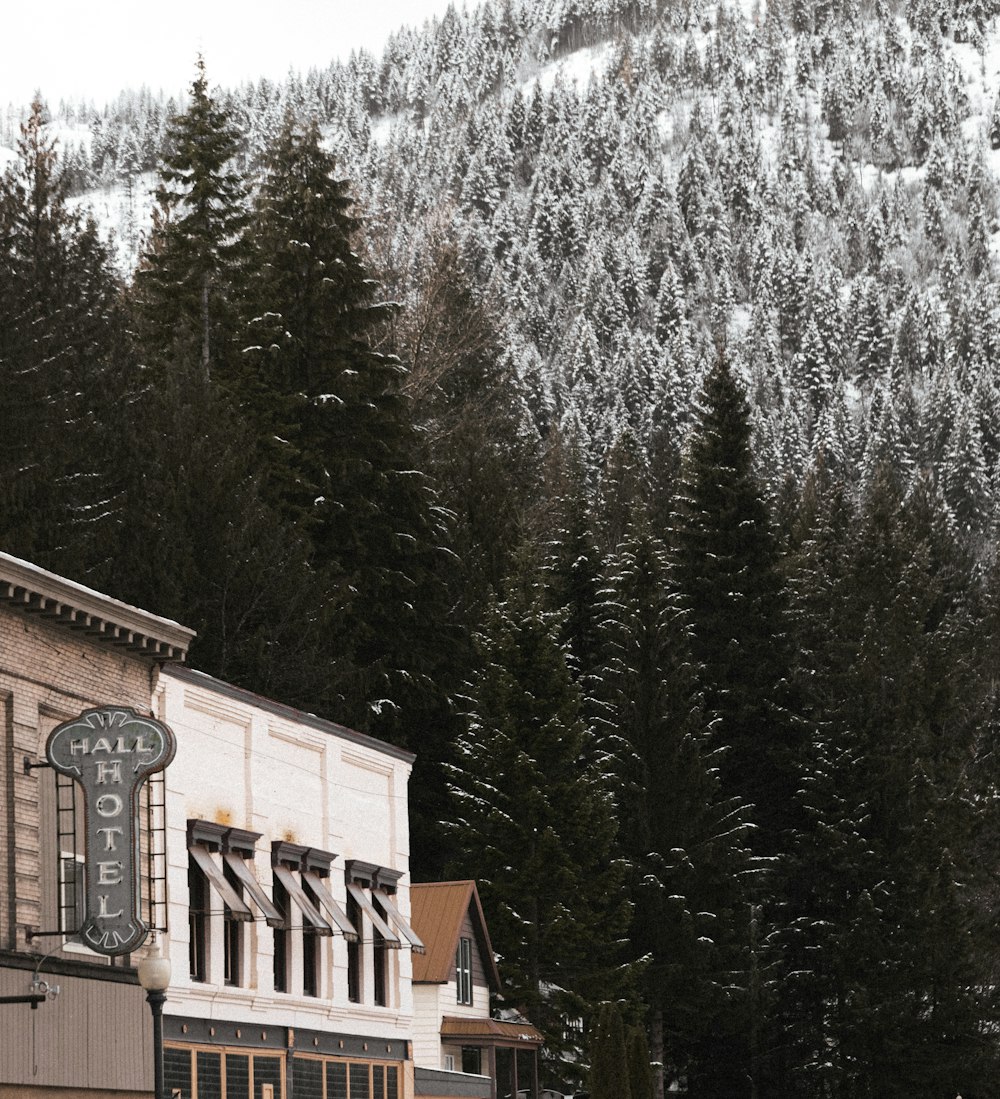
(94,1034)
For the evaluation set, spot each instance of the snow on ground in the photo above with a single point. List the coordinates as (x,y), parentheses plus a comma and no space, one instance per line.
(124,215)
(577,68)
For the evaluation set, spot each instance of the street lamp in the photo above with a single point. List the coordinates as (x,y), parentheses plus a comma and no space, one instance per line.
(154,976)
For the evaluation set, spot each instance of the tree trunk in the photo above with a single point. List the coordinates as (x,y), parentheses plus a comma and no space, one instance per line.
(204,327)
(656,1052)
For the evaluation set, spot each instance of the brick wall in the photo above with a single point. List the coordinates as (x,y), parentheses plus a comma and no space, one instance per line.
(48,672)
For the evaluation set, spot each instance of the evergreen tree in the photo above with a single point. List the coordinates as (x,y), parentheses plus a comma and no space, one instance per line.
(197,540)
(725,567)
(348,468)
(189,289)
(609,1076)
(683,840)
(889,885)
(62,363)
(640,1070)
(533,819)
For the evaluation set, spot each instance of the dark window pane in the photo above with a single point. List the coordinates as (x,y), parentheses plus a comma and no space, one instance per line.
(310,963)
(308,1081)
(336,1080)
(177,1071)
(354,952)
(360,1081)
(381,959)
(392,1083)
(197,921)
(378,1081)
(526,1071)
(463,971)
(266,1070)
(281,940)
(505,1072)
(233,940)
(237,1076)
(209,1075)
(472,1059)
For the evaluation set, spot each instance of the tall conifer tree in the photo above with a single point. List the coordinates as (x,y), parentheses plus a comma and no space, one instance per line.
(725,568)
(346,463)
(61,332)
(534,822)
(191,281)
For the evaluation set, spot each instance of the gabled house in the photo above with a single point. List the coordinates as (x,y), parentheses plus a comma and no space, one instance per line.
(459,1050)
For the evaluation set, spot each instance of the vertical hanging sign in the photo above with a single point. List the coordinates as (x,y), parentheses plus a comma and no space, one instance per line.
(110,752)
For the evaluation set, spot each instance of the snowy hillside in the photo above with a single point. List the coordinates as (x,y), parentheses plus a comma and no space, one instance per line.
(804,186)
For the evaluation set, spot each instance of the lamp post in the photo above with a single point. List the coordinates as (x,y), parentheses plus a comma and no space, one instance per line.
(154,976)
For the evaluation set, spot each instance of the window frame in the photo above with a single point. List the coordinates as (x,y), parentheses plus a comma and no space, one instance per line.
(199,923)
(355,956)
(233,945)
(463,972)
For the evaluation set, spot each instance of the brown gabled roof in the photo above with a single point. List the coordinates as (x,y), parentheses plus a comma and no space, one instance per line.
(437,910)
(490,1030)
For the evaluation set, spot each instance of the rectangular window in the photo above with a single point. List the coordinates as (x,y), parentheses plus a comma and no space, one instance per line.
(354,952)
(381,957)
(310,963)
(336,1080)
(308,1082)
(177,1072)
(71,893)
(463,971)
(233,939)
(209,1075)
(361,1084)
(237,1076)
(472,1060)
(197,922)
(266,1077)
(311,952)
(505,1083)
(281,939)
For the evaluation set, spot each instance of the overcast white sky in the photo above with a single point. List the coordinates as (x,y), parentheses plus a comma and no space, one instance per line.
(94,48)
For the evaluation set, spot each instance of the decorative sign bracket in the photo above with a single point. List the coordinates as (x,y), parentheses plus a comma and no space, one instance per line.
(110,752)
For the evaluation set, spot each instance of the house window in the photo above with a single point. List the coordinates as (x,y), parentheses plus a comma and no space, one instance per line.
(310,962)
(472,1060)
(71,893)
(197,923)
(281,940)
(381,953)
(354,953)
(312,949)
(233,939)
(463,971)
(360,1081)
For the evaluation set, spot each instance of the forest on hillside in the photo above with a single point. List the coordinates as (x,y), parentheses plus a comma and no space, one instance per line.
(626,445)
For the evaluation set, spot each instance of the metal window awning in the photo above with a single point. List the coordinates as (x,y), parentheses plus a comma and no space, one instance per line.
(400,921)
(312,914)
(390,937)
(319,887)
(213,871)
(253,888)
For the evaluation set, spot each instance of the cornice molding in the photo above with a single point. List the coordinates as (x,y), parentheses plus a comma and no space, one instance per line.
(34,591)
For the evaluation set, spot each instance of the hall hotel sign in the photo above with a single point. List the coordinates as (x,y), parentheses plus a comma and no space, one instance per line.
(110,752)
